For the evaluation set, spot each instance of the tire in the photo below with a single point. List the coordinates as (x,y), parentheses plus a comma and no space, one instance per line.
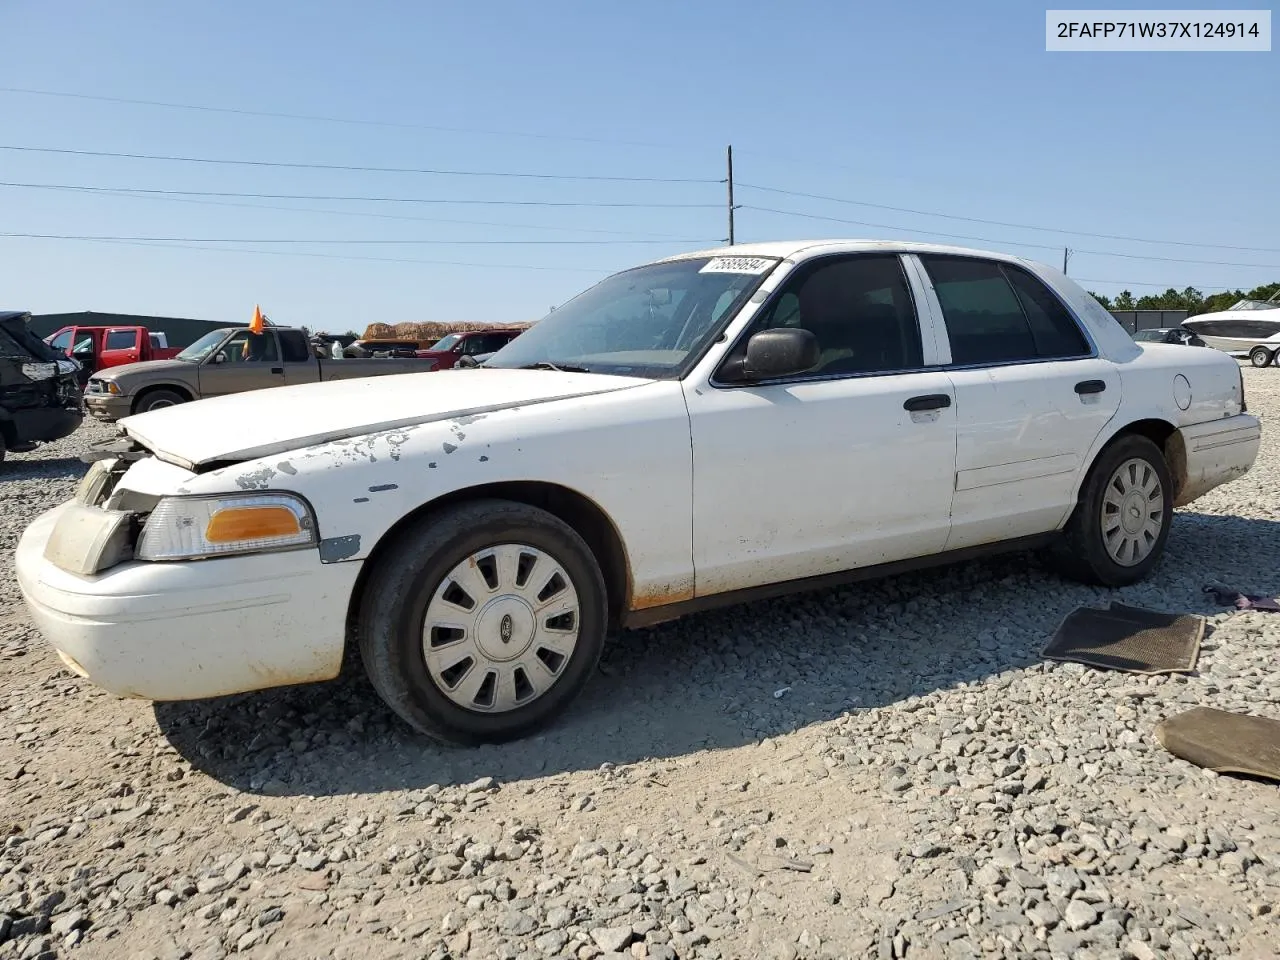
(3,447)
(158,400)
(410,600)
(1260,356)
(1084,553)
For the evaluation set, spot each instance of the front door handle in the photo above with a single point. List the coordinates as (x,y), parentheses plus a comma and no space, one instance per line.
(934,401)
(1090,386)
(279,370)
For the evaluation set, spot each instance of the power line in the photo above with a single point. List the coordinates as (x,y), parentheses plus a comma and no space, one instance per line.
(298,165)
(379,240)
(358,121)
(1002,223)
(886,226)
(336,256)
(131,195)
(1165,286)
(1011,243)
(366,199)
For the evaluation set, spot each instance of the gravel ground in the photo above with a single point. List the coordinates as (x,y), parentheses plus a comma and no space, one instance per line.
(882,771)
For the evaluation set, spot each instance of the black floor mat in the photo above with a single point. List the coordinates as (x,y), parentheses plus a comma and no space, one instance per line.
(1128,638)
(1224,742)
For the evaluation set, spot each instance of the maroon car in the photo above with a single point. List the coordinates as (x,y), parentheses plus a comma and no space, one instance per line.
(452,348)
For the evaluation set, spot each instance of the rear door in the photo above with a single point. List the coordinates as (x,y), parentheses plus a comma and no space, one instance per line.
(299,363)
(1032,395)
(121,345)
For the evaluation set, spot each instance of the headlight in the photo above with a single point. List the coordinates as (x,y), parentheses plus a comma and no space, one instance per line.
(194,528)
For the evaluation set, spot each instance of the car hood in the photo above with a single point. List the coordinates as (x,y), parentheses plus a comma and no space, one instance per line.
(259,423)
(142,367)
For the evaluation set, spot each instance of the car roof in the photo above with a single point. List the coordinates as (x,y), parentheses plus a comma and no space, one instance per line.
(792,249)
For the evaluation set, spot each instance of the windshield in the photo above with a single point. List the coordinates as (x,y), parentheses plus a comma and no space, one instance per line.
(652,321)
(1256,305)
(448,343)
(202,347)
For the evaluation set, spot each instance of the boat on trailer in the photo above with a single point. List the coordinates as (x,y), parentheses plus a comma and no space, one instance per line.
(1247,328)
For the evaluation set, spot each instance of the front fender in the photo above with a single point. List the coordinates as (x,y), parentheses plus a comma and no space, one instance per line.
(627,452)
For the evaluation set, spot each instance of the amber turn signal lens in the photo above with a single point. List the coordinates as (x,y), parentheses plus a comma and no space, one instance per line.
(251,523)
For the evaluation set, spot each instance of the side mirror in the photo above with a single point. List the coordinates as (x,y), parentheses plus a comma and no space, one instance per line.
(783,352)
(219,358)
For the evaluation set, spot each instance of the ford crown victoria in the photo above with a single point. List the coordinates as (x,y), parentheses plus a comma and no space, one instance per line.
(708,428)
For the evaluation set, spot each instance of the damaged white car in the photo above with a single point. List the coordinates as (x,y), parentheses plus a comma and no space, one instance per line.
(710,428)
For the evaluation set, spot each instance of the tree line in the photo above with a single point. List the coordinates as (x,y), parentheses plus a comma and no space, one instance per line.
(1190,299)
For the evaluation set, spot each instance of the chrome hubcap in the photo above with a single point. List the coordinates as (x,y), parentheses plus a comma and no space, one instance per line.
(501,628)
(1132,512)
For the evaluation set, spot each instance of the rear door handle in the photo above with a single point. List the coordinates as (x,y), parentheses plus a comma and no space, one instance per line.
(934,401)
(279,370)
(1090,386)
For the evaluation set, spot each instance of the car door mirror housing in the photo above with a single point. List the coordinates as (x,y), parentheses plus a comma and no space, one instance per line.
(783,352)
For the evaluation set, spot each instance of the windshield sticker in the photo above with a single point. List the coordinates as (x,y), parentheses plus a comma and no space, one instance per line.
(755,265)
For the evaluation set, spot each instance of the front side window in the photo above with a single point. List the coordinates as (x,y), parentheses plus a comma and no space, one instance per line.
(651,321)
(447,343)
(859,308)
(120,340)
(1000,314)
(61,341)
(246,347)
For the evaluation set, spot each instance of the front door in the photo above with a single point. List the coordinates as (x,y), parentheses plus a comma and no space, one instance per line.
(246,361)
(850,464)
(1032,396)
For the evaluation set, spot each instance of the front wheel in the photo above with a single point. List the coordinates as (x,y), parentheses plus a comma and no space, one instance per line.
(1260,356)
(158,400)
(483,621)
(1118,530)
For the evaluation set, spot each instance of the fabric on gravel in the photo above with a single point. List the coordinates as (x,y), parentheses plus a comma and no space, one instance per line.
(1224,742)
(1231,597)
(1130,639)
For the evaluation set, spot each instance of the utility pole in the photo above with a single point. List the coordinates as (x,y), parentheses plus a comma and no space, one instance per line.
(729,156)
(1066,255)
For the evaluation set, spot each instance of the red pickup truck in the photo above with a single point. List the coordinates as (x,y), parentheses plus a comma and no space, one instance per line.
(100,347)
(446,353)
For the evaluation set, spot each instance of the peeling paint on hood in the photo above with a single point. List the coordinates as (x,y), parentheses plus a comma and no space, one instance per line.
(278,420)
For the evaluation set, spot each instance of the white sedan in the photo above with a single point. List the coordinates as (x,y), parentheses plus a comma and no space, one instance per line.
(701,430)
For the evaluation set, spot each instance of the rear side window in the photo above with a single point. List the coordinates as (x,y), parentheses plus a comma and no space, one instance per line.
(1057,335)
(120,340)
(1000,314)
(293,347)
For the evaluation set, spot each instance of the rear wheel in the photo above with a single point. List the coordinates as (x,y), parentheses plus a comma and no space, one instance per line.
(1117,533)
(1260,356)
(158,400)
(483,621)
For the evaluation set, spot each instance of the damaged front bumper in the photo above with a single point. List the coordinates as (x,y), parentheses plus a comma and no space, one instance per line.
(185,630)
